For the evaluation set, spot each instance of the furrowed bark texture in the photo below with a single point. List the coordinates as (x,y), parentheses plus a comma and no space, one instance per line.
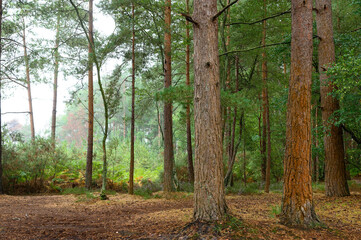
(297,202)
(89,155)
(335,168)
(168,122)
(209,199)
(189,131)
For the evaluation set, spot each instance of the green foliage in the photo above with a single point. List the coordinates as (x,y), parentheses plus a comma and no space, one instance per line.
(230,224)
(87,197)
(103,196)
(275,211)
(75,191)
(30,163)
(250,188)
(146,188)
(345,74)
(320,187)
(34,163)
(276,187)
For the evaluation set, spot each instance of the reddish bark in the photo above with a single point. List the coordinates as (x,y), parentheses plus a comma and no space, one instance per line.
(297,202)
(89,155)
(168,121)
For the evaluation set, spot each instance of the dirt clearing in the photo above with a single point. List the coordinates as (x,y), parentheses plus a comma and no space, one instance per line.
(132,217)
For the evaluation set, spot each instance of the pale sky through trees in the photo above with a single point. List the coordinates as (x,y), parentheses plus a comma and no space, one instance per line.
(16,99)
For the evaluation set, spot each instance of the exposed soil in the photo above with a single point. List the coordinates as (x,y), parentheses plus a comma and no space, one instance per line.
(132,217)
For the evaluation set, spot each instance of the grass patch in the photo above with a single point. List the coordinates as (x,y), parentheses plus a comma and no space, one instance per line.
(354,186)
(186,187)
(230,224)
(318,187)
(87,197)
(235,189)
(110,192)
(276,187)
(275,211)
(239,188)
(143,192)
(75,191)
(250,188)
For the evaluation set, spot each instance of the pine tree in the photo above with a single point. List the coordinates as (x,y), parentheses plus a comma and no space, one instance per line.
(335,167)
(297,202)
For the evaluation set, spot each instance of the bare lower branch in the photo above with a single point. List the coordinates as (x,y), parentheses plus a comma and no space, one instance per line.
(224,9)
(261,20)
(14,113)
(355,30)
(250,49)
(189,18)
(261,46)
(353,135)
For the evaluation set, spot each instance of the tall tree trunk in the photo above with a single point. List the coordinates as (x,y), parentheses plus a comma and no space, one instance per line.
(56,73)
(234,148)
(316,162)
(1,139)
(244,154)
(335,168)
(263,166)
(102,91)
(266,122)
(89,156)
(168,122)
(28,84)
(131,169)
(209,197)
(297,202)
(189,131)
(228,88)
(263,138)
(124,112)
(348,146)
(160,135)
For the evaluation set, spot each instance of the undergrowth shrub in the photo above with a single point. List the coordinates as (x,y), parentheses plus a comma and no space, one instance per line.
(28,165)
(146,188)
(275,211)
(250,188)
(276,187)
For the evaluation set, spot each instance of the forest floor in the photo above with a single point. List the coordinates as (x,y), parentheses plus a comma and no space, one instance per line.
(133,217)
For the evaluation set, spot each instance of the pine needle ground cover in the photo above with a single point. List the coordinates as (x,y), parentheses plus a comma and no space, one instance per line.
(123,216)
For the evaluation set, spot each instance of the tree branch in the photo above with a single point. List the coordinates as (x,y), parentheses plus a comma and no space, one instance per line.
(261,20)
(267,45)
(250,49)
(355,30)
(354,137)
(224,9)
(14,113)
(189,18)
